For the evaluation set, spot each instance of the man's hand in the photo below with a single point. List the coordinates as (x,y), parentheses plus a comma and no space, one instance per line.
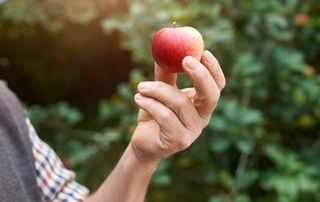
(170,120)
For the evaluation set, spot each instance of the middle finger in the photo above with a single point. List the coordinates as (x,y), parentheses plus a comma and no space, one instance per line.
(173,98)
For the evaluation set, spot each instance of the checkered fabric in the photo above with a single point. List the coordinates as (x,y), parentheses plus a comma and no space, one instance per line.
(56,183)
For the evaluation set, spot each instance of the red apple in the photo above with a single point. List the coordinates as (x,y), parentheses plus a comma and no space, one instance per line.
(302,19)
(171,45)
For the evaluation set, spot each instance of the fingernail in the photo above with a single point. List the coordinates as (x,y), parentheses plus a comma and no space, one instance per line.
(138,97)
(190,62)
(143,85)
(208,57)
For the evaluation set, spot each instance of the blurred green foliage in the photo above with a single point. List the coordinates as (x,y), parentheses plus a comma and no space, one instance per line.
(263,141)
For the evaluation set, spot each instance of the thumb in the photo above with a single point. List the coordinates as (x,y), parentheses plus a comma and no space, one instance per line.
(162,75)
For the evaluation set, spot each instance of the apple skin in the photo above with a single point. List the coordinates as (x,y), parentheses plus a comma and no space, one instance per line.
(171,45)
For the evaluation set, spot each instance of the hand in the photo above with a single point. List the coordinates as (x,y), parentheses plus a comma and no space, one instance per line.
(170,120)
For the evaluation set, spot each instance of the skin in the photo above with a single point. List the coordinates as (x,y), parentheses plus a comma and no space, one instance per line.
(169,121)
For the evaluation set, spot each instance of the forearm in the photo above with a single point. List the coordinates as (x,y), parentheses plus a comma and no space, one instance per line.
(128,182)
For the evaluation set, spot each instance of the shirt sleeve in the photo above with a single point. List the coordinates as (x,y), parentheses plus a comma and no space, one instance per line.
(56,183)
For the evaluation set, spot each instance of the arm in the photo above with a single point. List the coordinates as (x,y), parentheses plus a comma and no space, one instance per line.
(128,182)
(169,121)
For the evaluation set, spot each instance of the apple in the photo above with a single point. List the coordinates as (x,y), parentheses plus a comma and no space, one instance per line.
(171,45)
(302,19)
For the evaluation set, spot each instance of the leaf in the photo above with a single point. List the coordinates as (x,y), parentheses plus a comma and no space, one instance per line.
(245,145)
(218,123)
(80,11)
(125,91)
(215,198)
(246,65)
(111,135)
(247,179)
(186,162)
(307,183)
(84,155)
(284,185)
(110,25)
(275,154)
(105,110)
(226,180)
(71,115)
(242,198)
(161,179)
(250,117)
(220,143)
(288,59)
(276,20)
(288,186)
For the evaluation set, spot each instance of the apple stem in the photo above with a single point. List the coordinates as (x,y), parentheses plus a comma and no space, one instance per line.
(174,24)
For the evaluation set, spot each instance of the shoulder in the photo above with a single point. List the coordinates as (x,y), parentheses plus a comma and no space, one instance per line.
(3,86)
(10,105)
(6,95)
(2,82)
(5,92)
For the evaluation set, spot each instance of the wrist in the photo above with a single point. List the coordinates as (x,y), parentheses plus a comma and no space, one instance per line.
(136,159)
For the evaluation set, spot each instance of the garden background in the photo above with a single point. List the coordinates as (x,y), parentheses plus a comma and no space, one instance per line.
(76,64)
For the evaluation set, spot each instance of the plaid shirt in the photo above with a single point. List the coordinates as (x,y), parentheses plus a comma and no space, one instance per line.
(55,182)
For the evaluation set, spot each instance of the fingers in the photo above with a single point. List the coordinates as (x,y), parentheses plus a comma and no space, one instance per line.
(143,115)
(166,118)
(212,64)
(174,99)
(190,92)
(164,76)
(207,90)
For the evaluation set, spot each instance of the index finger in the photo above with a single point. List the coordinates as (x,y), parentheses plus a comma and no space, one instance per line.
(164,76)
(207,90)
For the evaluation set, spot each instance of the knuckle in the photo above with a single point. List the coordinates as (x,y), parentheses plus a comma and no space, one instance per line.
(182,101)
(165,117)
(213,101)
(158,85)
(215,95)
(183,143)
(202,76)
(203,73)
(147,103)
